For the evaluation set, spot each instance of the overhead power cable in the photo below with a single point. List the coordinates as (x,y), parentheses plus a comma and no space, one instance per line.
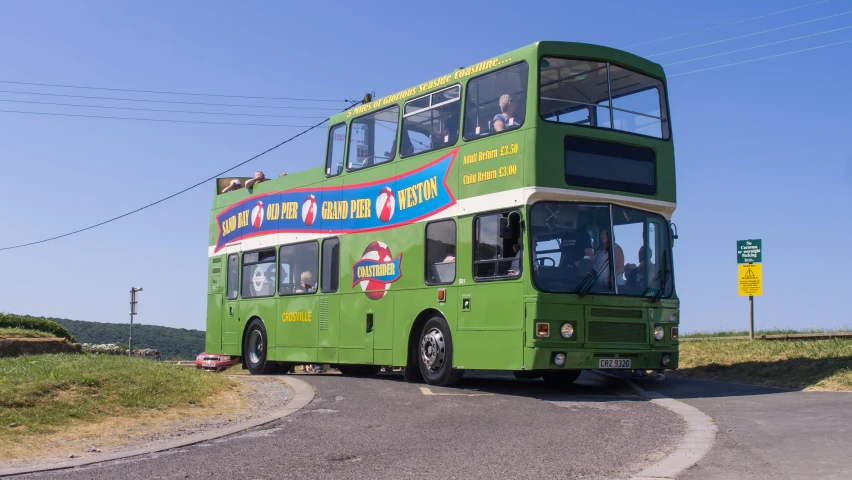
(758,59)
(726,24)
(750,34)
(756,46)
(151,119)
(194,112)
(168,101)
(173,93)
(168,197)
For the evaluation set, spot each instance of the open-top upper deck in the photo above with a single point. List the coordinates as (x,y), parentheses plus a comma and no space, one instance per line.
(549,121)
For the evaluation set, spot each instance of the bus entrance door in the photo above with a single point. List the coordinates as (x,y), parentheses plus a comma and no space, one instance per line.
(231,324)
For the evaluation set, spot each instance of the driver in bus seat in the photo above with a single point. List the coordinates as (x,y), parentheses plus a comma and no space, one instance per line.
(576,243)
(515,268)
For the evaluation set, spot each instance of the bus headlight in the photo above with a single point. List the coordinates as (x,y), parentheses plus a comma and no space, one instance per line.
(567,330)
(559,359)
(659,332)
(666,359)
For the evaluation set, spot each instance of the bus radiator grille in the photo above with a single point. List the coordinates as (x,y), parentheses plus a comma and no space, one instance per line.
(616,313)
(606,332)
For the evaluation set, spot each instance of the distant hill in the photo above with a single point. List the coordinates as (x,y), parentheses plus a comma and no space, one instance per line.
(171,342)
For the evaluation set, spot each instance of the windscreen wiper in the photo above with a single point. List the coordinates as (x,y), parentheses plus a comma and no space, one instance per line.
(654,280)
(663,283)
(589,280)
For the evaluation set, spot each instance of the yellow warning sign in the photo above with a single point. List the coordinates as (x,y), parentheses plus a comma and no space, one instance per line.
(750,278)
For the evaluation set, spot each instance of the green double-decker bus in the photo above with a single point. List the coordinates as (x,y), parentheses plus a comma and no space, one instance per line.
(513,215)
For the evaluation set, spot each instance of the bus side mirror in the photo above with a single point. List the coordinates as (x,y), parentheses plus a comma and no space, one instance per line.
(673,232)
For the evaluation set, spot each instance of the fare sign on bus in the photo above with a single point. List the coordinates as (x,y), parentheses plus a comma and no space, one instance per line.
(749,251)
(365,207)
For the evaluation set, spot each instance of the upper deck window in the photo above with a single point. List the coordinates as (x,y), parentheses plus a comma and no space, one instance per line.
(496,101)
(431,122)
(336,149)
(372,139)
(602,95)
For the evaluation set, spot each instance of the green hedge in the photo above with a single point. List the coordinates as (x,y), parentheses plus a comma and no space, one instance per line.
(8,320)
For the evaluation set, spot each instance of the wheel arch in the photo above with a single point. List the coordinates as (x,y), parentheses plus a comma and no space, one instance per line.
(414,334)
(243,337)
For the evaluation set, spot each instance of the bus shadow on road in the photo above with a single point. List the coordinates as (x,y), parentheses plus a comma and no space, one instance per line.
(588,388)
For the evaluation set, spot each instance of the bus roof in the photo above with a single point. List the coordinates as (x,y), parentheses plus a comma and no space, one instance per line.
(527,52)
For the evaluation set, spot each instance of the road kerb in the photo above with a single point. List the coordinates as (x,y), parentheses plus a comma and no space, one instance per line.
(303,394)
(698,441)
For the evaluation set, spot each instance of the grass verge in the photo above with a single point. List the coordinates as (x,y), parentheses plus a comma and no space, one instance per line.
(757,333)
(794,364)
(47,394)
(22,333)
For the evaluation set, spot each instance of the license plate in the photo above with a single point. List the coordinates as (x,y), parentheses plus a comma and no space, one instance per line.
(614,363)
(207,364)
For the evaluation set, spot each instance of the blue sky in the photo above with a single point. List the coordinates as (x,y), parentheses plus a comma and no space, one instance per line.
(762,148)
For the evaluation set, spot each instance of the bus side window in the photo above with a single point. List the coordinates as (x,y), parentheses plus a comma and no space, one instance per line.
(259,274)
(233,276)
(496,101)
(440,252)
(495,256)
(336,148)
(330,265)
(301,260)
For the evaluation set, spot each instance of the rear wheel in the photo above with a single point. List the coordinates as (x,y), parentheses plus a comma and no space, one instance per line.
(561,377)
(435,353)
(254,349)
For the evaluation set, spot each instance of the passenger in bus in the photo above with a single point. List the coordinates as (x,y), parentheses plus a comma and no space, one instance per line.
(306,284)
(234,185)
(636,274)
(451,255)
(506,119)
(258,178)
(602,256)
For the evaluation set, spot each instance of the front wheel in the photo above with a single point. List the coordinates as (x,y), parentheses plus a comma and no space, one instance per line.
(435,354)
(254,349)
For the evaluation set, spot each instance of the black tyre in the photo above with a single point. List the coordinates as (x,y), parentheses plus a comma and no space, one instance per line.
(358,370)
(561,377)
(254,350)
(435,353)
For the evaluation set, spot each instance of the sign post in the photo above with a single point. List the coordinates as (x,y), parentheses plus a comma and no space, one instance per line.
(133,311)
(750,275)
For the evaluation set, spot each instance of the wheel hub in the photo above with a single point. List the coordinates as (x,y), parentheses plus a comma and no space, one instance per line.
(255,347)
(432,349)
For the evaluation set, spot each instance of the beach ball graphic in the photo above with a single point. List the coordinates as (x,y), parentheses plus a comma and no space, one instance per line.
(309,210)
(257,215)
(385,204)
(379,252)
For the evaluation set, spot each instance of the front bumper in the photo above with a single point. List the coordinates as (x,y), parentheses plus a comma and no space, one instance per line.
(542,358)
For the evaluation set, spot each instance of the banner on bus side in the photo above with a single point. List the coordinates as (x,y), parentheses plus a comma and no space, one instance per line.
(366,207)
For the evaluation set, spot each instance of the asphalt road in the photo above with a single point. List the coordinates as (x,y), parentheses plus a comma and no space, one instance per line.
(382,427)
(767,433)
